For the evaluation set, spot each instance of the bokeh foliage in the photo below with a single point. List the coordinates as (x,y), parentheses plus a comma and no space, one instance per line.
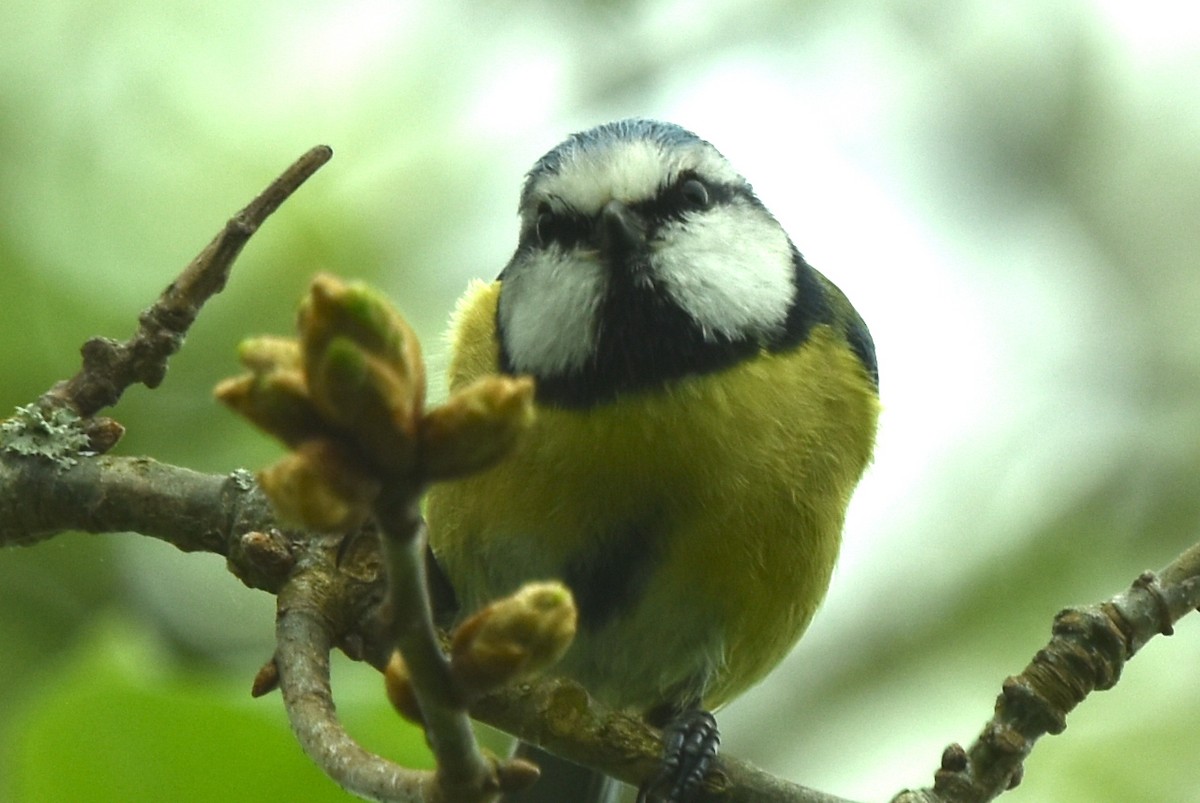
(1007,192)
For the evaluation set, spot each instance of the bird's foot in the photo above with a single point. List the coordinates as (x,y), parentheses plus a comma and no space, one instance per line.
(690,742)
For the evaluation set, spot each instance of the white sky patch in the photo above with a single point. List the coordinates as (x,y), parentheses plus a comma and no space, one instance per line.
(1153,31)
(520,85)
(343,42)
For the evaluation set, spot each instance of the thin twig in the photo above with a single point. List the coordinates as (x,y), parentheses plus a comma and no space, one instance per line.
(109,367)
(1087,653)
(304,635)
(559,716)
(463,772)
(323,604)
(227,515)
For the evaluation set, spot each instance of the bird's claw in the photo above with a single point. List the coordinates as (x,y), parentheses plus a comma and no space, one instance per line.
(690,743)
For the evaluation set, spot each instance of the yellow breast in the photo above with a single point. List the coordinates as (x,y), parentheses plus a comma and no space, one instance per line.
(715,506)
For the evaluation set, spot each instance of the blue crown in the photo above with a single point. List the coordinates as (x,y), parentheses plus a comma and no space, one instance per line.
(667,135)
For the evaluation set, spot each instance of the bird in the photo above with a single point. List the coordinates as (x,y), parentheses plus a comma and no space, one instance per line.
(705,404)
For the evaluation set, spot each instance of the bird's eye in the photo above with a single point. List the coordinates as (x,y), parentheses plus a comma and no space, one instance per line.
(563,226)
(543,223)
(694,193)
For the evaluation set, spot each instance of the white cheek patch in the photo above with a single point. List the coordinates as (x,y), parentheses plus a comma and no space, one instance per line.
(730,268)
(549,311)
(629,171)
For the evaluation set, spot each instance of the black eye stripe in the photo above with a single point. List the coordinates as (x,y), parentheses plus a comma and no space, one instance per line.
(674,202)
(569,228)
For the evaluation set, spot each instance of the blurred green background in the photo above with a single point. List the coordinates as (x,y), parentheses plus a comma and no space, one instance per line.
(1008,192)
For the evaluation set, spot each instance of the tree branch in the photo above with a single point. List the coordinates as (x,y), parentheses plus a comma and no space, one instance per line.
(195,512)
(324,602)
(1087,652)
(557,715)
(331,597)
(305,633)
(110,367)
(228,515)
(461,765)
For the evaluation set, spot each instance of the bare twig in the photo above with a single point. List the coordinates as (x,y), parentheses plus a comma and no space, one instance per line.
(110,367)
(1087,653)
(227,515)
(463,772)
(317,607)
(305,635)
(347,396)
(195,512)
(325,602)
(558,716)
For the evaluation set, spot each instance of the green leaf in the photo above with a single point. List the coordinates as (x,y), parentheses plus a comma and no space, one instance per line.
(114,725)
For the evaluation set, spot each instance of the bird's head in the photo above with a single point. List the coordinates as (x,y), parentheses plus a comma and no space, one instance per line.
(643,256)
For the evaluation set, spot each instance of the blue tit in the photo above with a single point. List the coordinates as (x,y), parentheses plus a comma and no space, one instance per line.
(706,402)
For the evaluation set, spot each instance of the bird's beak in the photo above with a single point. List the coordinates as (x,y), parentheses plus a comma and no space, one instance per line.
(619,230)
